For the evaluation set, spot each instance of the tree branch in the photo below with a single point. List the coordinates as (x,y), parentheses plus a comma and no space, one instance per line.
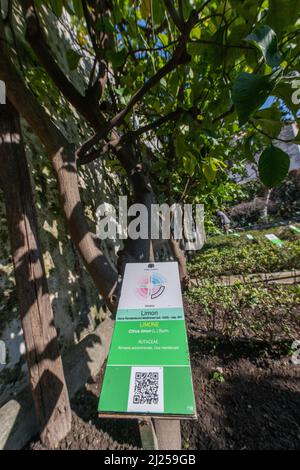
(100,42)
(226,46)
(172,116)
(114,143)
(35,37)
(91,156)
(180,10)
(152,49)
(179,57)
(63,160)
(177,20)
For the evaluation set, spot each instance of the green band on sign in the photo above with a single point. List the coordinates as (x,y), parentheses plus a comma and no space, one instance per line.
(150,314)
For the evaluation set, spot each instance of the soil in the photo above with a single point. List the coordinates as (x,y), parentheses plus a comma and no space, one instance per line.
(247,395)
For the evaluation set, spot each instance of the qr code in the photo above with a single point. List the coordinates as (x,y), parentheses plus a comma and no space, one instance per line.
(146,389)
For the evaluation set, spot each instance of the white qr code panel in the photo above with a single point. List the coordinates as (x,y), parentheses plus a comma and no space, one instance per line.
(146,390)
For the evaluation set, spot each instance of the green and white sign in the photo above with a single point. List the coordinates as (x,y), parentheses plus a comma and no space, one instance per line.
(148,368)
(249,236)
(274,239)
(295,229)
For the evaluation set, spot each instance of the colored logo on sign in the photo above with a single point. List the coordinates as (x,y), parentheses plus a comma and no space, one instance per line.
(151,286)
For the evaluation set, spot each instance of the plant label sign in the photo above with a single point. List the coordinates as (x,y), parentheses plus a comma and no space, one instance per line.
(249,236)
(148,369)
(295,229)
(274,239)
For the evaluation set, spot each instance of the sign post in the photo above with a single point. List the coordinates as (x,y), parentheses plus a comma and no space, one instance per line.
(148,372)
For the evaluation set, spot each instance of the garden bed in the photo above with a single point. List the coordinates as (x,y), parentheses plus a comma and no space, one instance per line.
(247,398)
(247,389)
(238,255)
(257,312)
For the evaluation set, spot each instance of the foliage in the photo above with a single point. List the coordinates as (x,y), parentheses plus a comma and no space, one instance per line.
(280,163)
(237,54)
(266,313)
(217,376)
(232,255)
(284,201)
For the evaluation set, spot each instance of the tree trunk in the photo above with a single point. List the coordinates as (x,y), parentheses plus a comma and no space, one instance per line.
(265,211)
(46,374)
(179,256)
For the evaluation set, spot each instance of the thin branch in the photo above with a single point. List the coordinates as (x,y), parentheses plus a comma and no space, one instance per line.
(152,49)
(156,30)
(203,6)
(182,198)
(179,57)
(174,15)
(270,137)
(35,37)
(226,46)
(172,116)
(225,114)
(100,44)
(90,157)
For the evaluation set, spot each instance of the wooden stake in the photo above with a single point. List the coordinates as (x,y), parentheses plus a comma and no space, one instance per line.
(148,435)
(43,358)
(168,434)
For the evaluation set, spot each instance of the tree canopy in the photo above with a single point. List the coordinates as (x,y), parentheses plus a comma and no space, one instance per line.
(173,96)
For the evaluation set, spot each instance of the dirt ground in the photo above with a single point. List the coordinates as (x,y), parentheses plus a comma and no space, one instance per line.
(247,394)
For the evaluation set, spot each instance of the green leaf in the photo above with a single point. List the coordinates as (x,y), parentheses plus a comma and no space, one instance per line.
(145,8)
(163,39)
(186,9)
(195,49)
(284,90)
(248,148)
(210,169)
(77,7)
(104,23)
(73,59)
(269,120)
(282,14)
(273,166)
(250,92)
(196,32)
(116,58)
(180,146)
(189,163)
(246,9)
(158,11)
(209,173)
(56,6)
(265,39)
